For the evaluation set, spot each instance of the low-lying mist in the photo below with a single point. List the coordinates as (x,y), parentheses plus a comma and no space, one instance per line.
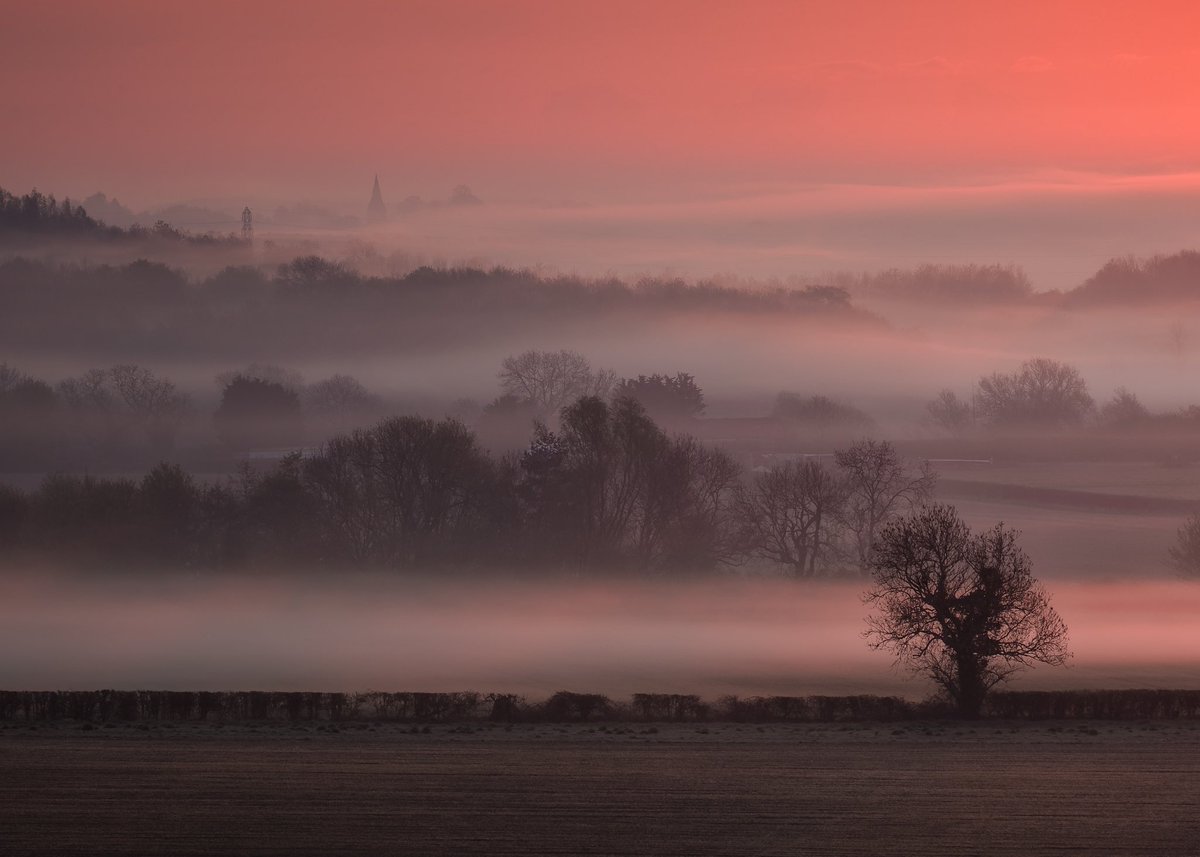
(742,636)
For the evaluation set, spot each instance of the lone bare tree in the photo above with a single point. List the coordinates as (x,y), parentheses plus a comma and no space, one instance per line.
(789,514)
(962,608)
(553,379)
(879,486)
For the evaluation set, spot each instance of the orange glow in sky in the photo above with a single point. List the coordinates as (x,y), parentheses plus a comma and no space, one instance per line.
(583,98)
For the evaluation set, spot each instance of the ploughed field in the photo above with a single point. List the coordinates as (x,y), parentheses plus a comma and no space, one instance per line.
(621,789)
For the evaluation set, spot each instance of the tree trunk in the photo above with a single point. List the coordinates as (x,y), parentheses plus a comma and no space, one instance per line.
(971,688)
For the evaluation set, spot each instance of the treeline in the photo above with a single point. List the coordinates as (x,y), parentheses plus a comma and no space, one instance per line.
(315,306)
(127,417)
(114,706)
(1127,280)
(608,489)
(1164,278)
(147,707)
(953,284)
(1048,394)
(43,216)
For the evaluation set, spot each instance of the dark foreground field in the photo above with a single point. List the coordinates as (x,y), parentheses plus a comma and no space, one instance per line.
(870,789)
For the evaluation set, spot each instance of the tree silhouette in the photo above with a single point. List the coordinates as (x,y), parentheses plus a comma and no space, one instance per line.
(950,412)
(1185,553)
(879,486)
(1041,393)
(668,398)
(790,514)
(553,379)
(962,608)
(255,413)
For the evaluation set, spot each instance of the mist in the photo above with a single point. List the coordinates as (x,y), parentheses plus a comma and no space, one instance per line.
(742,637)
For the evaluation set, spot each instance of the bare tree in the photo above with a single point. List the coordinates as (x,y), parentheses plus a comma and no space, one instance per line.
(1043,392)
(406,491)
(127,396)
(612,489)
(1185,553)
(155,404)
(962,608)
(790,513)
(879,486)
(553,379)
(91,392)
(950,412)
(344,480)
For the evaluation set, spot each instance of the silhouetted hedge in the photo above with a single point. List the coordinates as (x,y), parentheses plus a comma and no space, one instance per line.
(1095,705)
(812,709)
(101,706)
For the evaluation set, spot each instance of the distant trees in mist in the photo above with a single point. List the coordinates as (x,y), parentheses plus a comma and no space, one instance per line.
(314,305)
(944,284)
(36,214)
(1125,280)
(1132,280)
(1044,394)
(257,413)
(667,398)
(604,488)
(127,417)
(819,411)
(1185,553)
(548,380)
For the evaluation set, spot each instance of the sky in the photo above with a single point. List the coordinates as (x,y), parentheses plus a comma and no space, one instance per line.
(622,104)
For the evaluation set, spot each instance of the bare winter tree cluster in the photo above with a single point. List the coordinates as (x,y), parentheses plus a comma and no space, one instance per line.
(605,488)
(811,517)
(126,416)
(1042,393)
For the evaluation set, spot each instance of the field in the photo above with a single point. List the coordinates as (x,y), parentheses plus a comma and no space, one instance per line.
(877,789)
(1097,521)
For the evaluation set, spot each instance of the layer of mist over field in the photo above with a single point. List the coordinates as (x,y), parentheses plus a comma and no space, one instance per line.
(745,637)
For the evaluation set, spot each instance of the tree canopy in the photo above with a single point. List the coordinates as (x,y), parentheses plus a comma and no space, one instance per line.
(962,608)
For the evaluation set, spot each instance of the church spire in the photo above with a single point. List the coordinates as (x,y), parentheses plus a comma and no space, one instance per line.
(376,210)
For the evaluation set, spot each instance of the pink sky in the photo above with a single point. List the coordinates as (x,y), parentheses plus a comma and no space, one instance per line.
(585,99)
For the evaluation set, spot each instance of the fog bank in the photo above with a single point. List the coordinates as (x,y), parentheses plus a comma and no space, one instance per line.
(741,637)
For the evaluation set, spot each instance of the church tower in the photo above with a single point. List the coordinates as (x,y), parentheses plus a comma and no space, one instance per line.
(376,210)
